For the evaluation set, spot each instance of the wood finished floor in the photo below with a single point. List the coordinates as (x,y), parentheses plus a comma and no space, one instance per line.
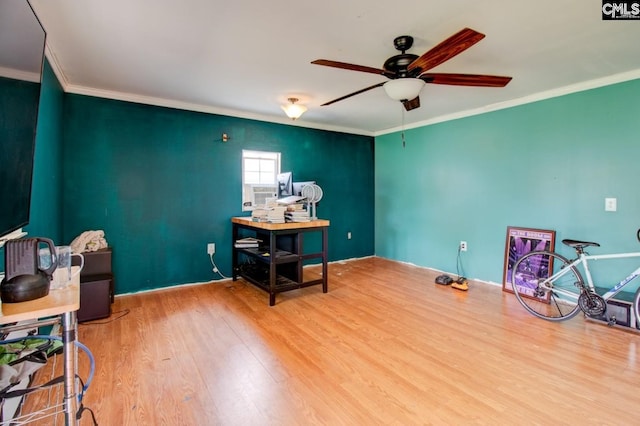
(385,346)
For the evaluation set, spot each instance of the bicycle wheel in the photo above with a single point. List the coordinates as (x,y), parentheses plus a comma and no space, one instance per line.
(554,300)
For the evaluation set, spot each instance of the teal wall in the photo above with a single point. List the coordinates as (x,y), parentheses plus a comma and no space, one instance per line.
(161,184)
(548,165)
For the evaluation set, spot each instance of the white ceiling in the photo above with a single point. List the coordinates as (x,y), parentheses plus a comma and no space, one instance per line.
(21,41)
(246,57)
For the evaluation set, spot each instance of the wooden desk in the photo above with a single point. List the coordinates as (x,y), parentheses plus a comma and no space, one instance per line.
(270,255)
(62,303)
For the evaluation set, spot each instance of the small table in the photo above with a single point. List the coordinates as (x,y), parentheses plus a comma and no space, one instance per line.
(270,255)
(62,303)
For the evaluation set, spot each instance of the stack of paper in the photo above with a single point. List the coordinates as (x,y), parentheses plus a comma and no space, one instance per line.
(248,242)
(276,214)
(297,214)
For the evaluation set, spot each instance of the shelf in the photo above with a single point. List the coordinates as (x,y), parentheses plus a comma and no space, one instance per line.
(262,254)
(61,304)
(259,276)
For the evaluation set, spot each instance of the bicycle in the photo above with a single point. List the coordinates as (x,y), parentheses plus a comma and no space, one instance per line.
(552,287)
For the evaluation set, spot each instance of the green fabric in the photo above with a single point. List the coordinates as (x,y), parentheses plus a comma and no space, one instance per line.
(12,352)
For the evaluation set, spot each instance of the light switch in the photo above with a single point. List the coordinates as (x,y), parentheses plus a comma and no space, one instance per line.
(610,204)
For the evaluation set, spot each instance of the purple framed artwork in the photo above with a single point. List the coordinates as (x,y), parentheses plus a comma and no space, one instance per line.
(521,241)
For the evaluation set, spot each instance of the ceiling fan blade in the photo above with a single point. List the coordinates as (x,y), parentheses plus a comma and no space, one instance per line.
(446,50)
(346,66)
(353,94)
(466,79)
(412,104)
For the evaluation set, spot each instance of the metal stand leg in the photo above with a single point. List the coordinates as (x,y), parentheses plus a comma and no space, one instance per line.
(69,330)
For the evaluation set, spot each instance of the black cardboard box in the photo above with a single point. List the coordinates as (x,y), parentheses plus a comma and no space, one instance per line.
(96,262)
(95,298)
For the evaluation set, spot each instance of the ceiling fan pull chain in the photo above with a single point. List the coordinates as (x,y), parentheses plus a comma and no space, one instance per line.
(404,144)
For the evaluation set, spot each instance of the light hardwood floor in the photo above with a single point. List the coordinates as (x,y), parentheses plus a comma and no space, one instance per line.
(385,346)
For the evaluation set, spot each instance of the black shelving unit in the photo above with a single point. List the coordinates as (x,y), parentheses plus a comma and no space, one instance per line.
(277,265)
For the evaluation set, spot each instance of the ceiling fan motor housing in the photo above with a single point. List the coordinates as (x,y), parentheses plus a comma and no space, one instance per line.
(397,65)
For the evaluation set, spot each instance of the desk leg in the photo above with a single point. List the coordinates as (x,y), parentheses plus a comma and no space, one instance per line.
(272,268)
(69,331)
(325,258)
(299,248)
(234,253)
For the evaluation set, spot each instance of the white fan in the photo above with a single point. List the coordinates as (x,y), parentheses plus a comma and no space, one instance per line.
(313,193)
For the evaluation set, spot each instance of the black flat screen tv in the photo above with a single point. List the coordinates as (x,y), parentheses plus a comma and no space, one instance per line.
(21,60)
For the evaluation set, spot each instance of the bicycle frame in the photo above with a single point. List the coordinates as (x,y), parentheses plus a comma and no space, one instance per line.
(583,259)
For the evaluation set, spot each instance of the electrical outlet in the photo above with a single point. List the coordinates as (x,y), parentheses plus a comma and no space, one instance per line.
(211,249)
(463,246)
(348,235)
(610,204)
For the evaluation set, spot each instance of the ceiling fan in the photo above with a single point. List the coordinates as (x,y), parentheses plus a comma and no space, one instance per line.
(408,72)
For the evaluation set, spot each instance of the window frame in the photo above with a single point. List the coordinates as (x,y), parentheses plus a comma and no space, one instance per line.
(251,154)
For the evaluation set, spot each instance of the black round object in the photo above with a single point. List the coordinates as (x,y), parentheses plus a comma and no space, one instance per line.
(592,304)
(403,43)
(398,64)
(23,288)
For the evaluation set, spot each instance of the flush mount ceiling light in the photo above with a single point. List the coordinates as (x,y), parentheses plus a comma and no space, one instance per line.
(293,110)
(403,89)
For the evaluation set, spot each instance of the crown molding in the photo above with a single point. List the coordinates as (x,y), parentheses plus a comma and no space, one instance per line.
(168,103)
(548,94)
(33,77)
(56,67)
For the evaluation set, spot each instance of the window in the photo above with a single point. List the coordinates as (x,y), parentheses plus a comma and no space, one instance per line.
(259,171)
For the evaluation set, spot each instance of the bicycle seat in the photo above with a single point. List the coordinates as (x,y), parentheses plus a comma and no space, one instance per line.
(579,245)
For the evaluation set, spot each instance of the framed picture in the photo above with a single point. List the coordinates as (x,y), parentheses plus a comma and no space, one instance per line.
(521,241)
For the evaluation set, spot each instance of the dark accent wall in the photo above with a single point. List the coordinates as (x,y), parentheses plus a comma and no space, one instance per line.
(162,184)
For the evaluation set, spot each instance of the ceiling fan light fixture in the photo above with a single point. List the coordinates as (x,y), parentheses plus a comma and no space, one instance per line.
(293,110)
(403,89)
